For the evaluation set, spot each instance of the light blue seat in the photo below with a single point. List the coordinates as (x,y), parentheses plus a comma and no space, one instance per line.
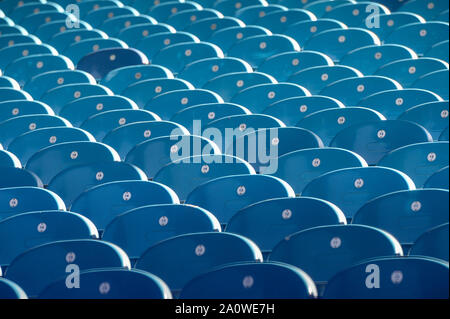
(46,31)
(373,140)
(423,8)
(279,21)
(405,214)
(124,138)
(152,44)
(33,21)
(228,85)
(50,161)
(10,94)
(27,144)
(205,28)
(73,181)
(438,179)
(10,290)
(283,66)
(8,159)
(316,78)
(144,91)
(41,83)
(418,161)
(11,53)
(83,108)
(200,72)
(102,203)
(155,153)
(119,79)
(10,40)
(97,17)
(198,170)
(265,280)
(419,36)
(12,109)
(258,48)
(24,231)
(336,43)
(227,38)
(134,34)
(163,11)
(63,40)
(392,103)
(391,22)
(407,71)
(23,69)
(356,14)
(439,51)
(168,104)
(114,25)
(269,221)
(436,81)
(184,19)
(78,50)
(432,243)
(41,266)
(249,15)
(328,123)
(191,117)
(149,225)
(18,177)
(230,7)
(12,128)
(258,98)
(261,148)
(203,251)
(26,9)
(99,125)
(225,196)
(351,188)
(292,110)
(58,97)
(176,57)
(304,30)
(321,7)
(369,59)
(400,278)
(87,6)
(324,251)
(111,283)
(300,167)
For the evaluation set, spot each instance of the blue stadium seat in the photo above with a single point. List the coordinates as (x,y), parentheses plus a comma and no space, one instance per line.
(419,36)
(255,50)
(405,214)
(10,94)
(351,188)
(432,243)
(198,170)
(71,182)
(436,81)
(63,40)
(439,51)
(11,109)
(251,281)
(373,140)
(357,14)
(18,177)
(24,231)
(200,72)
(444,135)
(114,25)
(203,251)
(163,11)
(329,122)
(257,98)
(184,19)
(76,51)
(23,69)
(154,154)
(319,8)
(316,78)
(120,78)
(269,221)
(155,223)
(104,202)
(12,128)
(101,124)
(230,7)
(8,159)
(12,53)
(389,23)
(124,138)
(26,9)
(10,40)
(90,5)
(279,21)
(443,16)
(50,161)
(206,113)
(292,110)
(303,31)
(300,167)
(41,266)
(100,63)
(7,82)
(438,179)
(227,38)
(225,196)
(228,85)
(418,161)
(425,8)
(10,290)
(336,43)
(46,31)
(251,14)
(369,59)
(205,28)
(33,21)
(392,103)
(144,91)
(97,17)
(110,284)
(41,83)
(12,29)
(399,278)
(168,104)
(320,253)
(134,34)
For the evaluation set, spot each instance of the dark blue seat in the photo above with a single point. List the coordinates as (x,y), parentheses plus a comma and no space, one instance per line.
(10,290)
